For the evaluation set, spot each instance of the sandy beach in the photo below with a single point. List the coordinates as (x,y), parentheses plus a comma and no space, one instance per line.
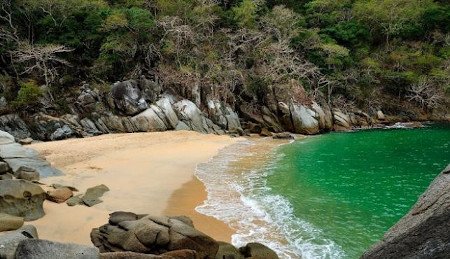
(148,173)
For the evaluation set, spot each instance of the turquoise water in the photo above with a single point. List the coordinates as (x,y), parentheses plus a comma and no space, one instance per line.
(351,187)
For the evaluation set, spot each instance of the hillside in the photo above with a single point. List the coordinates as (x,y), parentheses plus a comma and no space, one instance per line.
(270,63)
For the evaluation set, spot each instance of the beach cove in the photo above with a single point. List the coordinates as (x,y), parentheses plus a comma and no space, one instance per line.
(142,171)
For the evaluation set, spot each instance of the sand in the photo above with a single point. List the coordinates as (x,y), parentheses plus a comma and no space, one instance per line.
(151,173)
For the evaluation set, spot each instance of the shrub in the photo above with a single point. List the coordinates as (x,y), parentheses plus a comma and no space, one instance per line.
(28,95)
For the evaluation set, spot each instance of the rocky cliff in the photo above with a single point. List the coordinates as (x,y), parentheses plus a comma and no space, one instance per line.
(425,231)
(142,106)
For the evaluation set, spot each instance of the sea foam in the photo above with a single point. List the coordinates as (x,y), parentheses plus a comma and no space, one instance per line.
(239,196)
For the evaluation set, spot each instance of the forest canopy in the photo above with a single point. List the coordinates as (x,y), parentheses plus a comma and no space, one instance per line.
(346,52)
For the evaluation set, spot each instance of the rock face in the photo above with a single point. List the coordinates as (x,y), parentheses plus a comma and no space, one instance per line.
(424,231)
(38,249)
(152,235)
(21,198)
(10,240)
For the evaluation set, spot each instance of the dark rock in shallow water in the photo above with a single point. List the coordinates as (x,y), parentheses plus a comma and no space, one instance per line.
(22,198)
(283,135)
(156,235)
(425,231)
(9,240)
(38,249)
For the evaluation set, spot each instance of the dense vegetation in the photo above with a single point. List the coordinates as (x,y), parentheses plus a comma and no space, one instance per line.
(364,53)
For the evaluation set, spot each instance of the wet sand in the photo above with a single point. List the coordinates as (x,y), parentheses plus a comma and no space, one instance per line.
(149,173)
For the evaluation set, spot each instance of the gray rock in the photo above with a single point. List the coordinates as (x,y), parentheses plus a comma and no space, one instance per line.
(265,133)
(303,119)
(75,200)
(6,176)
(27,173)
(4,168)
(6,138)
(155,235)
(182,126)
(228,251)
(14,125)
(380,115)
(62,133)
(9,222)
(9,240)
(93,194)
(17,156)
(424,231)
(342,121)
(38,249)
(189,113)
(22,198)
(148,120)
(283,135)
(257,250)
(165,105)
(127,98)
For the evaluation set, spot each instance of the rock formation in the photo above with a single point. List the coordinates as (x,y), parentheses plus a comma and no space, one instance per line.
(164,237)
(424,231)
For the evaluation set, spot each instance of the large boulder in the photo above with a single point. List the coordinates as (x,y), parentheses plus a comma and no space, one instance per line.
(38,249)
(22,198)
(424,231)
(222,115)
(9,240)
(304,119)
(257,250)
(165,104)
(152,235)
(149,120)
(342,121)
(127,98)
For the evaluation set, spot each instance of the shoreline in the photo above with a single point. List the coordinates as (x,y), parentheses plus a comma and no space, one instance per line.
(132,166)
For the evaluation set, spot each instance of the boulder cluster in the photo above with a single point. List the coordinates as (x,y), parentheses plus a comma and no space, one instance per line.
(142,106)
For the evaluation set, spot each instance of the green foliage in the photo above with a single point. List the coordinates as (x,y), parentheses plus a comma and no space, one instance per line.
(28,95)
(245,13)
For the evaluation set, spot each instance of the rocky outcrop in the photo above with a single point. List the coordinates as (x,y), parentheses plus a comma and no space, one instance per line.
(22,198)
(222,115)
(14,125)
(152,235)
(128,235)
(424,231)
(38,249)
(17,157)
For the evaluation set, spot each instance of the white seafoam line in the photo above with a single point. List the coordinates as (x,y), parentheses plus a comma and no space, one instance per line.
(244,202)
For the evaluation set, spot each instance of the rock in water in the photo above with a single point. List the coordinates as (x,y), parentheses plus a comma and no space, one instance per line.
(155,235)
(257,250)
(9,222)
(38,249)
(22,198)
(93,194)
(425,231)
(9,240)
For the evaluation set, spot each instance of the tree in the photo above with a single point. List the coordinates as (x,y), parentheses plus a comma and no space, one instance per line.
(391,17)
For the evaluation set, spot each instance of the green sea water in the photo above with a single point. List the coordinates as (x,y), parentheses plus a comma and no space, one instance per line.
(352,187)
